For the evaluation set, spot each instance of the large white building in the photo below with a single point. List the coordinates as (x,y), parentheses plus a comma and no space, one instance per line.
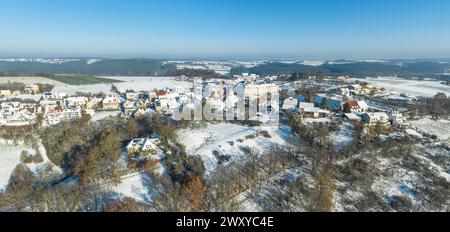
(375,118)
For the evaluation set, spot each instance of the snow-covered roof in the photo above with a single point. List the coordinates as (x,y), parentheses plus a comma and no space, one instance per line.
(289,103)
(352,116)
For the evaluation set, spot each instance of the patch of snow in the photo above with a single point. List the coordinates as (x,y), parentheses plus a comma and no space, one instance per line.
(343,137)
(312,62)
(414,133)
(91,61)
(100,115)
(10,158)
(137,186)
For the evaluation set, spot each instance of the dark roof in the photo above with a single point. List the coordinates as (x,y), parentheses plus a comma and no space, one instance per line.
(334,104)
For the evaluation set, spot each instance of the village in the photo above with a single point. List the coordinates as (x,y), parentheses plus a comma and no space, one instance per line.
(238,116)
(352,102)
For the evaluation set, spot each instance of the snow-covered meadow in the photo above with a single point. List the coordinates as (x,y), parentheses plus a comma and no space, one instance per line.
(440,128)
(226,139)
(136,83)
(426,88)
(10,157)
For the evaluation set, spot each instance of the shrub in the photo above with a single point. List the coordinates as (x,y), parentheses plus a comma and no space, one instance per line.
(25,157)
(252,136)
(37,158)
(265,134)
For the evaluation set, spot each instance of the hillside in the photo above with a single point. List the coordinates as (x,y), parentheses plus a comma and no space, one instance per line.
(112,67)
(406,67)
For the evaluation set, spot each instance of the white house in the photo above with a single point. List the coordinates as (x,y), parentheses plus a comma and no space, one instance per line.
(357,106)
(111,103)
(375,118)
(398,120)
(290,103)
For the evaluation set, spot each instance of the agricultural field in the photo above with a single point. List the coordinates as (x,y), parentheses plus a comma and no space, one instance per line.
(81,80)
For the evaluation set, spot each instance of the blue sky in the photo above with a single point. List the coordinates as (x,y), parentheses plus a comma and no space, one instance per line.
(226,28)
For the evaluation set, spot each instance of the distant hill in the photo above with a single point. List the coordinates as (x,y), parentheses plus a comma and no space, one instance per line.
(398,67)
(113,67)
(276,68)
(154,67)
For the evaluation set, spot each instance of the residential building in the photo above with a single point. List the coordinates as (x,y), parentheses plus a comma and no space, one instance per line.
(94,103)
(375,118)
(111,103)
(398,120)
(32,89)
(5,93)
(289,103)
(355,106)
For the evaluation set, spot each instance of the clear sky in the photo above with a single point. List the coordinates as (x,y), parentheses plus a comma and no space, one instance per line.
(308,29)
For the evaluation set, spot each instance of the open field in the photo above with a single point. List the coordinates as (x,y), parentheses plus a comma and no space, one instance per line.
(410,87)
(228,140)
(81,80)
(10,157)
(29,80)
(123,83)
(440,128)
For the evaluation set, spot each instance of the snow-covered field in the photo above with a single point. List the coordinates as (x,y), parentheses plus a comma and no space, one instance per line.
(10,158)
(343,137)
(425,88)
(137,186)
(227,140)
(136,83)
(29,80)
(150,83)
(34,97)
(440,128)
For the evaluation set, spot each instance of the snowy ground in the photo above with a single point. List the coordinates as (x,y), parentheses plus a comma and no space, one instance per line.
(343,137)
(440,128)
(148,83)
(135,83)
(100,115)
(137,186)
(129,82)
(10,158)
(29,80)
(410,87)
(227,140)
(34,97)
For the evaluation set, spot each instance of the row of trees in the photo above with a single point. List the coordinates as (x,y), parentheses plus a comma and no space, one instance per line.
(437,106)
(19,86)
(194,73)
